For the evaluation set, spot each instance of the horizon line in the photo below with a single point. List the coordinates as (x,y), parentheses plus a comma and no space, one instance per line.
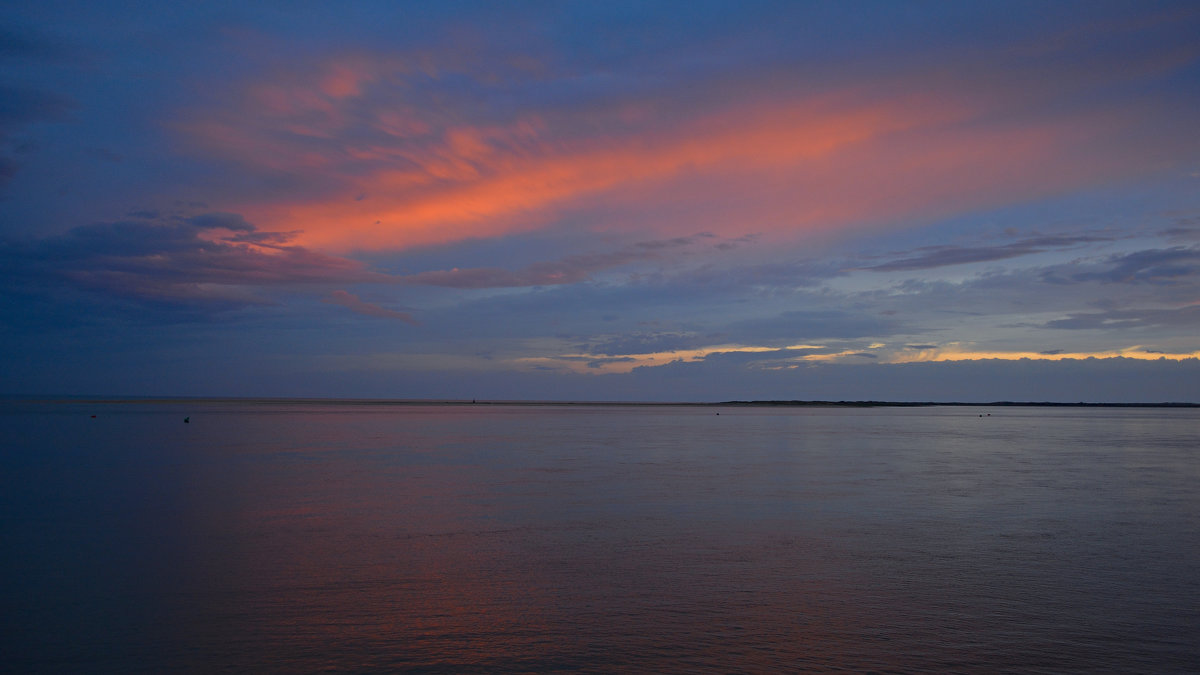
(116,399)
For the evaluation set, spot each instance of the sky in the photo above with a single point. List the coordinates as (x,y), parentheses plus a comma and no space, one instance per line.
(610,201)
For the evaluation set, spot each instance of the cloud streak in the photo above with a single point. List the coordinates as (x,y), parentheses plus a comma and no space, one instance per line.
(358,306)
(1170,266)
(944,256)
(389,154)
(569,270)
(20,107)
(214,257)
(1121,319)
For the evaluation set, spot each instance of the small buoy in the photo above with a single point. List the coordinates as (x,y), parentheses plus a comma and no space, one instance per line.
(187,420)
(93,417)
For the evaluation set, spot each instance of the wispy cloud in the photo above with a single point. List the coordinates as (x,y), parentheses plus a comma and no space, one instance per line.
(643,343)
(21,106)
(213,257)
(569,270)
(1175,265)
(354,304)
(1119,319)
(390,150)
(806,325)
(932,257)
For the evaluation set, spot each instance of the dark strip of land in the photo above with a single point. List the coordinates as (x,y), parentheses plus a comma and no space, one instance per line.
(919,404)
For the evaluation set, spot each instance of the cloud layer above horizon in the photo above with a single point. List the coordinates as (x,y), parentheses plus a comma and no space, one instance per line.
(602,200)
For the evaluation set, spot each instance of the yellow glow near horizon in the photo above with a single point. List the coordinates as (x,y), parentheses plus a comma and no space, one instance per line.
(956,351)
(624,363)
(955,354)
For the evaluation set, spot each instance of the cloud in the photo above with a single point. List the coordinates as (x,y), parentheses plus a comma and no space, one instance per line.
(817,324)
(1119,319)
(642,343)
(492,179)
(1154,266)
(1113,379)
(354,304)
(1184,229)
(21,107)
(943,256)
(1001,305)
(212,258)
(601,363)
(750,356)
(388,149)
(216,261)
(569,270)
(748,275)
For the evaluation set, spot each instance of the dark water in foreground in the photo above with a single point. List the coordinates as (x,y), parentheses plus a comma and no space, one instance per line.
(309,537)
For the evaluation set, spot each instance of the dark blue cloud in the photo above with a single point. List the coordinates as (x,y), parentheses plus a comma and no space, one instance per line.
(1179,264)
(600,363)
(644,343)
(942,256)
(20,107)
(359,306)
(743,359)
(1119,319)
(177,262)
(809,325)
(569,270)
(804,273)
(1184,229)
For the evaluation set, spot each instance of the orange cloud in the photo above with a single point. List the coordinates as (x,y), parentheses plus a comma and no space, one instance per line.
(386,173)
(956,352)
(488,181)
(596,365)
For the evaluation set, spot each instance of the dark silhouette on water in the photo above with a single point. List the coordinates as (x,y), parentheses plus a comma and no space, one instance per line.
(187,420)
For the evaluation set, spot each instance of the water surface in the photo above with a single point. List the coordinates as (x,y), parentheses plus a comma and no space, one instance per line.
(305,536)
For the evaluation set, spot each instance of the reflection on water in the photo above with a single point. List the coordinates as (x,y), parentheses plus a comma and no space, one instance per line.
(302,537)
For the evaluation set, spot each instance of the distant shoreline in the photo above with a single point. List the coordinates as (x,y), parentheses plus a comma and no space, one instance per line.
(277,400)
(923,404)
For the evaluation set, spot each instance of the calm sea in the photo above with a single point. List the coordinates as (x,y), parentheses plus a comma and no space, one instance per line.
(308,536)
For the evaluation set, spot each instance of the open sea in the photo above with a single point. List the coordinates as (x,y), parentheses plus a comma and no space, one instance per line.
(325,536)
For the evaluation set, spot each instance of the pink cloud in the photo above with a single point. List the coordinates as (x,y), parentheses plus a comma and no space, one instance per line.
(383,170)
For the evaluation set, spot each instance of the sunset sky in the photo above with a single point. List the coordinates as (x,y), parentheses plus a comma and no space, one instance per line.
(688,201)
